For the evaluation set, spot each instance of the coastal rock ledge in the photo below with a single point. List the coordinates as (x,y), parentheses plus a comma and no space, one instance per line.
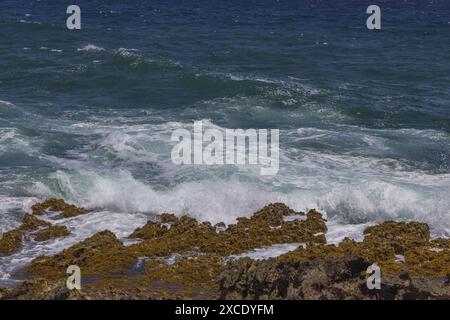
(180,258)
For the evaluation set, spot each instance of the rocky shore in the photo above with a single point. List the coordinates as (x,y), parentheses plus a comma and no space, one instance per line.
(180,258)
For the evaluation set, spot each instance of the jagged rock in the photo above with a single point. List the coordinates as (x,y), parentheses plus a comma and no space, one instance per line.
(52,232)
(11,242)
(380,245)
(328,277)
(178,257)
(30,223)
(264,228)
(41,289)
(101,254)
(57,205)
(400,236)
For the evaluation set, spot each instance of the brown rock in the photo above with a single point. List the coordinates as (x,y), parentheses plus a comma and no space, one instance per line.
(57,205)
(328,277)
(101,254)
(198,267)
(31,223)
(52,232)
(11,242)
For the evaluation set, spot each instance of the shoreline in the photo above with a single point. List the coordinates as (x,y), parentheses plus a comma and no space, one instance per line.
(180,258)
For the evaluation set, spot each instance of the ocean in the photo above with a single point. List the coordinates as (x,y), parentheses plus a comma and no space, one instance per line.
(87,115)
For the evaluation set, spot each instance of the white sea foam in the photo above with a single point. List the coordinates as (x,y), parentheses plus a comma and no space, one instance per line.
(268,252)
(91,47)
(11,208)
(352,190)
(293,84)
(126,52)
(225,200)
(138,58)
(11,140)
(122,192)
(29,22)
(6,103)
(338,231)
(357,189)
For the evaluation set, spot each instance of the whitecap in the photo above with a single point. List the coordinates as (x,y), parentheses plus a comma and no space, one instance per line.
(91,47)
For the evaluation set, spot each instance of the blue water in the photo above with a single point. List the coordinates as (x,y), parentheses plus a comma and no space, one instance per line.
(364,116)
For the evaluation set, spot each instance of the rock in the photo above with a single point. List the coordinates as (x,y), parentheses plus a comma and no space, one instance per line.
(57,205)
(404,275)
(329,277)
(383,243)
(220,227)
(273,213)
(101,254)
(31,223)
(401,236)
(178,257)
(41,289)
(266,227)
(11,242)
(52,232)
(272,279)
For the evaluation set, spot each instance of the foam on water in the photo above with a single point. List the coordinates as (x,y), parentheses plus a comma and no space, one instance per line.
(6,103)
(91,47)
(225,200)
(268,252)
(356,188)
(353,187)
(81,227)
(338,231)
(11,208)
(11,140)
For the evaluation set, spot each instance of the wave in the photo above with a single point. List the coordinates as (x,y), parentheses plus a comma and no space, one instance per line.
(123,203)
(124,168)
(6,103)
(418,197)
(135,59)
(129,57)
(30,22)
(127,167)
(90,47)
(51,49)
(11,140)
(352,191)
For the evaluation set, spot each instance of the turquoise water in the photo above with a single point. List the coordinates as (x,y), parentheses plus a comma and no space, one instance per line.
(364,116)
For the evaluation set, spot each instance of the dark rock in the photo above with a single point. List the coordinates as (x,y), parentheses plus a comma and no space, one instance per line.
(328,277)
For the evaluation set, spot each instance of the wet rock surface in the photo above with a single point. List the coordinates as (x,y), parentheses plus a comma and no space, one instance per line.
(180,258)
(57,205)
(11,241)
(331,277)
(52,232)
